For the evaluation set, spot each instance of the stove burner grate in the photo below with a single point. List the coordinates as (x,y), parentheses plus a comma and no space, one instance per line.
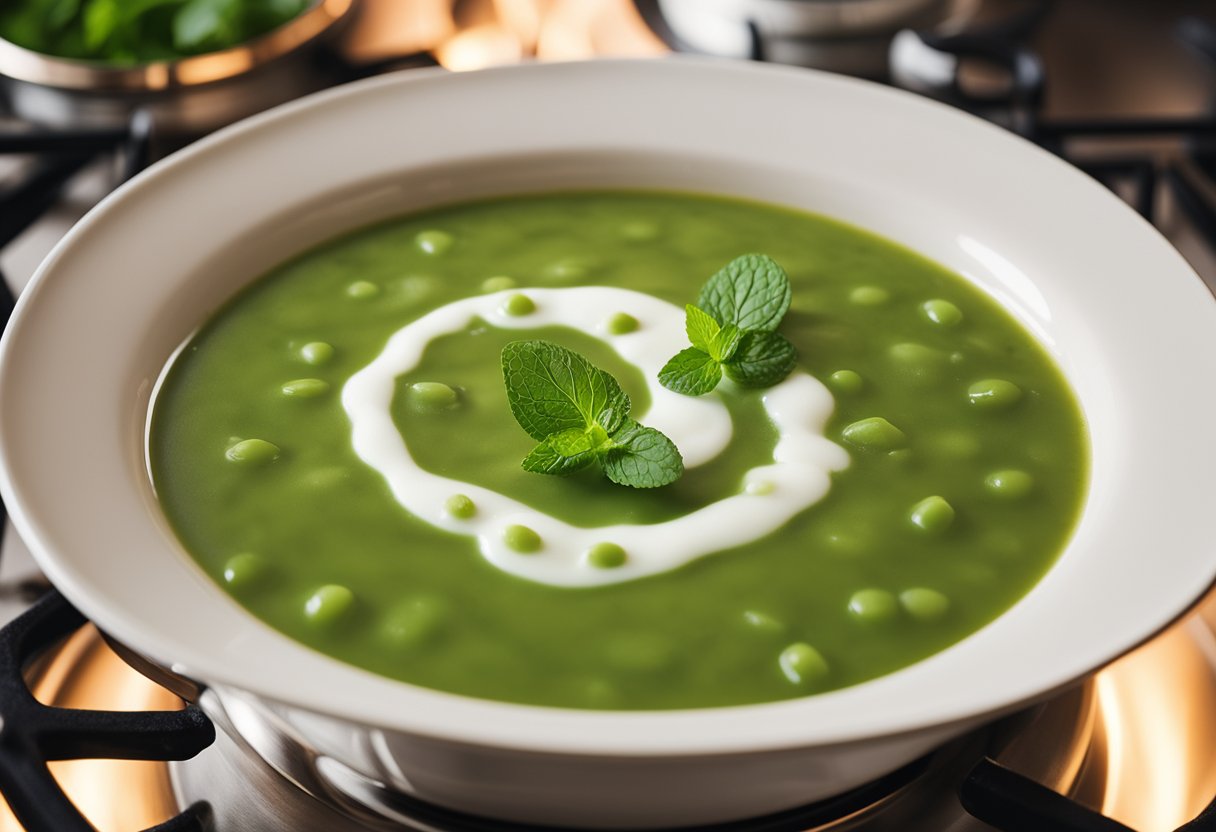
(1018,106)
(32,734)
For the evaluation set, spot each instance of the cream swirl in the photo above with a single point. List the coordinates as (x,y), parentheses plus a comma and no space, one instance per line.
(769,496)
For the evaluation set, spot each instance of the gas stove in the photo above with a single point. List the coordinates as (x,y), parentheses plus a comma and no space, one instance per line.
(1125,90)
(1131,744)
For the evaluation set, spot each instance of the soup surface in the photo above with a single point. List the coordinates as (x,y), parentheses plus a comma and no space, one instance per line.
(965,470)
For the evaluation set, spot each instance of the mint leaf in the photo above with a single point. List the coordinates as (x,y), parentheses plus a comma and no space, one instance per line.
(60,13)
(612,417)
(551,389)
(691,372)
(199,22)
(752,292)
(643,458)
(725,343)
(571,443)
(700,326)
(581,417)
(575,442)
(763,359)
(547,459)
(101,18)
(732,330)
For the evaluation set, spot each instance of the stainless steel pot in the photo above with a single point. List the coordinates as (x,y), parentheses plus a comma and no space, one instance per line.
(188,96)
(850,36)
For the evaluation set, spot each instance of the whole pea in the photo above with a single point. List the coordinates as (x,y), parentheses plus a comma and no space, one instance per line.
(328,604)
(317,352)
(621,323)
(932,514)
(640,231)
(252,452)
(869,296)
(942,312)
(518,305)
(414,289)
(305,388)
(522,539)
(244,570)
(498,283)
(874,434)
(606,556)
(432,396)
(994,394)
(917,363)
(434,242)
(569,269)
(762,622)
(802,664)
(460,507)
(873,605)
(1009,484)
(846,381)
(924,604)
(362,290)
(414,621)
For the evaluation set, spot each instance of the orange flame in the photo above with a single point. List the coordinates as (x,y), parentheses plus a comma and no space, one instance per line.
(495,32)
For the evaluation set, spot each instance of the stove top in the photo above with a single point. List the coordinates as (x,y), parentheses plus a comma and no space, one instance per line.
(1124,89)
(1128,749)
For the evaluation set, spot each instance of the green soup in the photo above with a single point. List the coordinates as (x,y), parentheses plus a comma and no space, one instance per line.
(968,461)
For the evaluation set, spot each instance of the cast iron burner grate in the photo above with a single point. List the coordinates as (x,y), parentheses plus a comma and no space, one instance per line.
(1186,175)
(32,734)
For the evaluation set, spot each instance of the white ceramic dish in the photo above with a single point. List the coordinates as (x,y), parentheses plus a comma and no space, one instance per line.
(1131,325)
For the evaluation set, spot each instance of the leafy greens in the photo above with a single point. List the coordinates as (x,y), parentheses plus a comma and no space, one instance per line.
(580,416)
(732,330)
(132,32)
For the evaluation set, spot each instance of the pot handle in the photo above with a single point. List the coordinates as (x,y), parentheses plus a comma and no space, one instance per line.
(1012,802)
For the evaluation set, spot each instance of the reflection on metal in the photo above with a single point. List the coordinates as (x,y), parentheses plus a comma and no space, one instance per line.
(1137,747)
(116,796)
(1159,710)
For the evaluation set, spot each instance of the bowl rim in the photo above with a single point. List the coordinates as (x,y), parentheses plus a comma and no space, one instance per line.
(832,718)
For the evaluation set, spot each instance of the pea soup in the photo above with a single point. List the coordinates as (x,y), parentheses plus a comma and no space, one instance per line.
(336,449)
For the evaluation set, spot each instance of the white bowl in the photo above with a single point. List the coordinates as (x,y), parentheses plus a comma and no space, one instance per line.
(1129,322)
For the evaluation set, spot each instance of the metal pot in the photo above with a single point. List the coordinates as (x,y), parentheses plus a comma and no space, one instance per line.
(189,96)
(850,36)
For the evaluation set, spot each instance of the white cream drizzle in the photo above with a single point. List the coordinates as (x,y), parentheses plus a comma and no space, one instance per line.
(700,427)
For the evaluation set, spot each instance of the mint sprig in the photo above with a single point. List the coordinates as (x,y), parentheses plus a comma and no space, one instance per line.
(580,416)
(731,330)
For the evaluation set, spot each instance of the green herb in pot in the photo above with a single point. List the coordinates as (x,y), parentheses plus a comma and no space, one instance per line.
(128,32)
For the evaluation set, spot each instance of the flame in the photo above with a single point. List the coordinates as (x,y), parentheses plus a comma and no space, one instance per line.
(523,18)
(393,28)
(1158,707)
(478,47)
(115,796)
(495,32)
